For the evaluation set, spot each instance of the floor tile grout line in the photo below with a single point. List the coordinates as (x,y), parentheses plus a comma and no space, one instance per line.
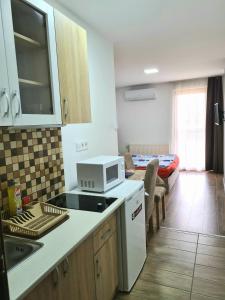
(168,259)
(201,244)
(210,297)
(194,268)
(166,285)
(210,280)
(160,234)
(219,256)
(211,245)
(210,267)
(175,239)
(173,247)
(210,255)
(168,238)
(169,271)
(181,250)
(180,230)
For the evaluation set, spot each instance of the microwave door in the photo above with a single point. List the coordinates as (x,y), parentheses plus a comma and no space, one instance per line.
(4,290)
(112,173)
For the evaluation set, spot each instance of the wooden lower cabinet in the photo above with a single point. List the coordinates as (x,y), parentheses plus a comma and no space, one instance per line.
(106,270)
(68,287)
(85,270)
(72,279)
(88,273)
(46,289)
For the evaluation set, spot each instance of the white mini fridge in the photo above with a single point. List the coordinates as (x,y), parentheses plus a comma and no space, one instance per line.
(131,233)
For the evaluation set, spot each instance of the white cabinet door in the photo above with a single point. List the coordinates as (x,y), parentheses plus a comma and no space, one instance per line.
(29,34)
(5,109)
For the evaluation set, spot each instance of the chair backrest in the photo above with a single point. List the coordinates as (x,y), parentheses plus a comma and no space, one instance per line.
(150,183)
(129,164)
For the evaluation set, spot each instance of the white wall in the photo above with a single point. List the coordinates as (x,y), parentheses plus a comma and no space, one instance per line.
(101,133)
(145,122)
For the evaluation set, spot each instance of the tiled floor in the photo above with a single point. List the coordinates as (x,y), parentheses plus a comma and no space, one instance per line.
(197,203)
(181,266)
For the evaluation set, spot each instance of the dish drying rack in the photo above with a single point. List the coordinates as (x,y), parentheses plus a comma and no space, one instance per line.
(37,220)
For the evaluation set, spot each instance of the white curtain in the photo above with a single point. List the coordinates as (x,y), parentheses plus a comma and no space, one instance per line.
(189,117)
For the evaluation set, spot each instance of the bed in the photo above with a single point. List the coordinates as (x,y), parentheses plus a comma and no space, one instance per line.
(168,163)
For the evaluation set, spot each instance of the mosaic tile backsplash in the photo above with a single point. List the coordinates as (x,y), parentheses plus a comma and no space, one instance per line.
(34,158)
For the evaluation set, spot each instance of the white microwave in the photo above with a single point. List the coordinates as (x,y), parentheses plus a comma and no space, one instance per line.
(100,173)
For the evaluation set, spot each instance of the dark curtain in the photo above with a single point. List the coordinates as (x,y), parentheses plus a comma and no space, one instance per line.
(214,133)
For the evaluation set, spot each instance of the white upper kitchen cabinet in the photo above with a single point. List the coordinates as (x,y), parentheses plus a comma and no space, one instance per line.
(5,109)
(31,62)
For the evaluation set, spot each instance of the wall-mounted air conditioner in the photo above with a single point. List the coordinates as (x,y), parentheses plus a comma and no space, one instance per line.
(140,94)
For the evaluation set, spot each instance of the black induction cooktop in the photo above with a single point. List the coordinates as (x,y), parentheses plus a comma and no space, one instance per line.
(82,202)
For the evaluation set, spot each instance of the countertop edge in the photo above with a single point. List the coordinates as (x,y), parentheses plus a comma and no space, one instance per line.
(12,273)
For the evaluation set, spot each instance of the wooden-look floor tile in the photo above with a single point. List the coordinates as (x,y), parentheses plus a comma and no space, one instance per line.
(209,288)
(210,261)
(212,240)
(201,297)
(181,265)
(155,291)
(200,208)
(211,223)
(210,273)
(221,205)
(178,266)
(169,253)
(178,235)
(211,250)
(167,278)
(175,244)
(132,296)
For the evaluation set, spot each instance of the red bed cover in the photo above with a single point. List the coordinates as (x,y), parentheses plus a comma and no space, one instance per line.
(165,172)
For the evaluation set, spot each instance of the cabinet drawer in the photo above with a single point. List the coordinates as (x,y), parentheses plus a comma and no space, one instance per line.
(104,232)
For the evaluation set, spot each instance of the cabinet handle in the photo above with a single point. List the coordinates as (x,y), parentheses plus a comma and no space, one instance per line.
(66,266)
(16,101)
(65,108)
(97,268)
(105,234)
(4,110)
(141,188)
(55,276)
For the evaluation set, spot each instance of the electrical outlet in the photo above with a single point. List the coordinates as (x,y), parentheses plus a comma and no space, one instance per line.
(81,146)
(85,145)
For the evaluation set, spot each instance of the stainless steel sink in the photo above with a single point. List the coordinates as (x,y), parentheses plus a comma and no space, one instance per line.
(18,249)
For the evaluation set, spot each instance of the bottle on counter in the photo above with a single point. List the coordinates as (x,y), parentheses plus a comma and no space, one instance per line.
(14,196)
(18,198)
(11,197)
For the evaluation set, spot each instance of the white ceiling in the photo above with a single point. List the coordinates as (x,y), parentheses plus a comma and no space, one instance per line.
(182,38)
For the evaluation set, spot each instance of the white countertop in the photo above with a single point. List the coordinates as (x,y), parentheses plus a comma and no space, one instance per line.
(63,240)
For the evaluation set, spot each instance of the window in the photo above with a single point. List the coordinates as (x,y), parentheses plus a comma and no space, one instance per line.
(189,117)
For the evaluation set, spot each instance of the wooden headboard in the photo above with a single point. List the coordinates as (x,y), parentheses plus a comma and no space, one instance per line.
(148,149)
